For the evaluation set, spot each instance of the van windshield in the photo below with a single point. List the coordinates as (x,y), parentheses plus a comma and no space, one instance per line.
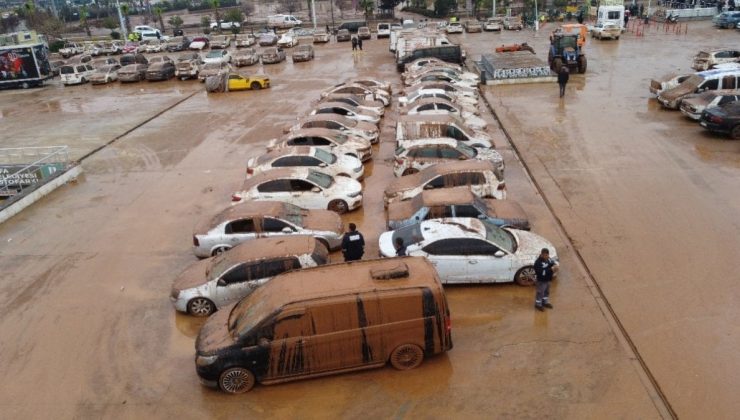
(248,313)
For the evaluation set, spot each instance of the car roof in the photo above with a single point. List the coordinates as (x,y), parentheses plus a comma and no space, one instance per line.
(426,101)
(273,174)
(238,211)
(431,141)
(316,131)
(431,119)
(414,180)
(332,280)
(328,117)
(287,151)
(445,196)
(452,227)
(259,248)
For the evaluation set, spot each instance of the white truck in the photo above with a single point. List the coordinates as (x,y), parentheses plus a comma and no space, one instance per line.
(611,11)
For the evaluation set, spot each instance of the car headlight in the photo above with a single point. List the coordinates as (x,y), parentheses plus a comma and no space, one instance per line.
(205,360)
(358,169)
(354,194)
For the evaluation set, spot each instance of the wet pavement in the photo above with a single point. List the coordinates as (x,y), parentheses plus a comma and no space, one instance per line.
(88,329)
(649,199)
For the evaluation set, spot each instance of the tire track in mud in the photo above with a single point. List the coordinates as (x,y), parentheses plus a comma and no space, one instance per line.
(661,402)
(136,127)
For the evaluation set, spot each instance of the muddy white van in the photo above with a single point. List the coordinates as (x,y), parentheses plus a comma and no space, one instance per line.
(700,82)
(324,320)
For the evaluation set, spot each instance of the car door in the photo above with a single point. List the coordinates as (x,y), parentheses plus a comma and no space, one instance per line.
(486,263)
(306,194)
(290,351)
(446,257)
(236,82)
(272,226)
(239,230)
(233,284)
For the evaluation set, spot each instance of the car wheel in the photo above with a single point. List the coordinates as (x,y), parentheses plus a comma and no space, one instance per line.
(256,86)
(410,171)
(406,356)
(338,206)
(735,134)
(83,80)
(236,380)
(525,276)
(220,250)
(323,242)
(201,306)
(25,85)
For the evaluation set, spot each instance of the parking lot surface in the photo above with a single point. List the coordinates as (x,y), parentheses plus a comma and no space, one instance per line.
(88,330)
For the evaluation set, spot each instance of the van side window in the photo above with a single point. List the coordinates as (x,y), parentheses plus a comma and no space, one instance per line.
(400,305)
(297,325)
(728,82)
(335,316)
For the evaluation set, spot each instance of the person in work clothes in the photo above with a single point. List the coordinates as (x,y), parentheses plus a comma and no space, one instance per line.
(353,244)
(544,269)
(563,77)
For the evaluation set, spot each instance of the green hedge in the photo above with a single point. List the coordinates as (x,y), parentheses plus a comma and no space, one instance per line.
(420,11)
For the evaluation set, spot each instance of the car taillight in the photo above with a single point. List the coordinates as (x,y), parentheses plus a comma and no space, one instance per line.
(235,198)
(195,241)
(448,325)
(715,119)
(501,186)
(250,171)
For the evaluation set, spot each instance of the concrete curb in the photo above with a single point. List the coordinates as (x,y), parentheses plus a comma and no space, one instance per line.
(39,193)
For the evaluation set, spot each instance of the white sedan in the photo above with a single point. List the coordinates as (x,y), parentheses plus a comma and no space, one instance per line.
(348,111)
(287,40)
(411,97)
(411,156)
(303,187)
(467,250)
(365,130)
(454,28)
(217,56)
(307,157)
(439,106)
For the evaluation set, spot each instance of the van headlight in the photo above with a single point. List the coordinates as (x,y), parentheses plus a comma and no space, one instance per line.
(354,194)
(205,360)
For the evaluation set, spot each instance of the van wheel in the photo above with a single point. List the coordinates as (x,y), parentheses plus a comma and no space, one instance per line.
(220,250)
(525,276)
(236,380)
(406,356)
(735,133)
(201,306)
(339,206)
(256,86)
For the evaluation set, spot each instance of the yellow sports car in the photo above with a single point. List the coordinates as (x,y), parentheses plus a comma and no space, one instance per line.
(254,82)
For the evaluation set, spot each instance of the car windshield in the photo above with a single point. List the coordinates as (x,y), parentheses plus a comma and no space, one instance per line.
(502,238)
(322,180)
(219,265)
(67,70)
(212,66)
(324,156)
(214,54)
(248,312)
(468,151)
(293,214)
(410,234)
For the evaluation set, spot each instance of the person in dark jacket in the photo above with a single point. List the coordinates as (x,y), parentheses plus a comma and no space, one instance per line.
(544,269)
(354,43)
(400,248)
(353,244)
(563,77)
(359,43)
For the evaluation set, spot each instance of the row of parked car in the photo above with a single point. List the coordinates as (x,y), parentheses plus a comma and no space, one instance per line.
(448,203)
(709,96)
(277,235)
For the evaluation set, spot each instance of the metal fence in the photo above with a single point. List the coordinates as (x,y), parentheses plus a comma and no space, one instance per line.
(25,168)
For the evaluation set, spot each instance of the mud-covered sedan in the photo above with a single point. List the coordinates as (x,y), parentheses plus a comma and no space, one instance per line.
(411,156)
(366,130)
(264,219)
(308,157)
(467,250)
(303,187)
(455,202)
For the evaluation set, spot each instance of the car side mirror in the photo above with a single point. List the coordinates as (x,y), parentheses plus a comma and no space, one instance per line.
(428,186)
(221,282)
(316,189)
(499,254)
(287,230)
(323,165)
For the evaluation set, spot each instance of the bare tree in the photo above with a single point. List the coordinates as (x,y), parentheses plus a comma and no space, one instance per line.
(289,6)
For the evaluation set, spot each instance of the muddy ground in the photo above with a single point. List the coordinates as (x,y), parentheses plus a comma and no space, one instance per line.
(88,331)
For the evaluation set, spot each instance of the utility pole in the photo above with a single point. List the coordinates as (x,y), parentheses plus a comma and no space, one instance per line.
(313,13)
(331,7)
(493,9)
(121,21)
(536,18)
